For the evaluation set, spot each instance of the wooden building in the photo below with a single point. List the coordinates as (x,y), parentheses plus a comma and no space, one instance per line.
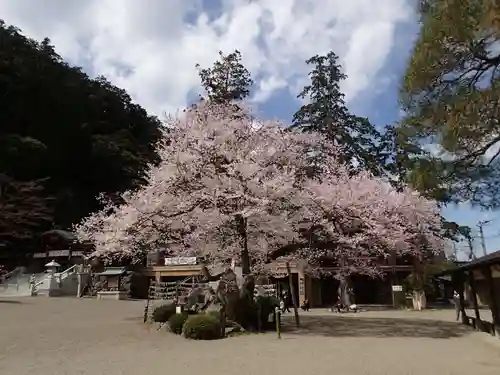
(478,282)
(319,291)
(110,283)
(62,246)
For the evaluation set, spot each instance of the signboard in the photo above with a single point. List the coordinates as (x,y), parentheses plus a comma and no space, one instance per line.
(265,290)
(181,261)
(279,275)
(57,253)
(302,288)
(397,288)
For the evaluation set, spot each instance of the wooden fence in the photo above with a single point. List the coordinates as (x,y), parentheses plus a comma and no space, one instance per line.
(172,291)
(177,291)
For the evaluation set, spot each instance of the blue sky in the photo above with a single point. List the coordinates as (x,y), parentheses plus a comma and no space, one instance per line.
(150,48)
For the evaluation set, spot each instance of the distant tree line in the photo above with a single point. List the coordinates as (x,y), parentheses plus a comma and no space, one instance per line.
(64,140)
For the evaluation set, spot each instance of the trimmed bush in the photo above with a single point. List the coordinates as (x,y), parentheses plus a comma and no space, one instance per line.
(176,322)
(265,307)
(202,327)
(214,313)
(163,313)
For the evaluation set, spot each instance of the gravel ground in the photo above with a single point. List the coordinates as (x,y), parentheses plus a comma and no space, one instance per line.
(54,336)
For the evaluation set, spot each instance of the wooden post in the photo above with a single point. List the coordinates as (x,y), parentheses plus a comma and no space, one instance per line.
(259,317)
(80,285)
(473,290)
(393,281)
(146,307)
(294,297)
(458,281)
(177,287)
(222,315)
(277,314)
(495,313)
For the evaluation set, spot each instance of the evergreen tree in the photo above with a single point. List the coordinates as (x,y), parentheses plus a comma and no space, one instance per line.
(70,136)
(24,207)
(227,81)
(327,113)
(451,91)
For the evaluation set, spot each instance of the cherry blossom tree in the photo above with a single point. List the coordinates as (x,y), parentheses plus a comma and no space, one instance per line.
(223,189)
(231,187)
(364,219)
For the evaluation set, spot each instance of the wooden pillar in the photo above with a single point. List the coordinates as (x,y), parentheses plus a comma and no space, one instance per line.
(292,292)
(316,295)
(458,284)
(158,276)
(473,289)
(495,313)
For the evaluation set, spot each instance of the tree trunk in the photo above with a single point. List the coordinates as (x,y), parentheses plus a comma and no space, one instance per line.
(245,256)
(343,292)
(418,297)
(419,300)
(294,298)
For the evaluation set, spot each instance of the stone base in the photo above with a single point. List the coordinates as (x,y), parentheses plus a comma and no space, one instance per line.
(48,293)
(116,295)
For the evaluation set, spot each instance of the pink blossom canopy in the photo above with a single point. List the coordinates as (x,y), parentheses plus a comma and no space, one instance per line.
(218,165)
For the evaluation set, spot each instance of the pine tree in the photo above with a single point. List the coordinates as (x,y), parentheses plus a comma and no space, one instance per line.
(227,80)
(451,91)
(326,112)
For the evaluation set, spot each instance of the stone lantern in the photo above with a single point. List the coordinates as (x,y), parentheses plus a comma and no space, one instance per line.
(52,266)
(53,285)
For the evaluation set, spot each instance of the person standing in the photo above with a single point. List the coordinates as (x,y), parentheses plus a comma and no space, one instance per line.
(32,283)
(456,302)
(305,305)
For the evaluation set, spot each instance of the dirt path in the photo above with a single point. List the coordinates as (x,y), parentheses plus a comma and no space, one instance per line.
(68,336)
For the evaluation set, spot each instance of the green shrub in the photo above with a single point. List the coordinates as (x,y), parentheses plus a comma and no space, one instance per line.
(202,327)
(265,307)
(214,313)
(163,313)
(176,322)
(245,313)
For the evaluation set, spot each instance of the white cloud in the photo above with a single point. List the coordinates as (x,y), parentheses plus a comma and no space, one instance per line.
(153,43)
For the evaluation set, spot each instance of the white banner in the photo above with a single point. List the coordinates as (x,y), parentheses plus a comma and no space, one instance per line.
(181,261)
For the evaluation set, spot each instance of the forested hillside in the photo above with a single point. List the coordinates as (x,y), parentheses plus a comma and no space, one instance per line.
(65,136)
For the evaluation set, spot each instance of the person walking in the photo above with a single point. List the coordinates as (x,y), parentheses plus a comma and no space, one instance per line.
(456,302)
(286,302)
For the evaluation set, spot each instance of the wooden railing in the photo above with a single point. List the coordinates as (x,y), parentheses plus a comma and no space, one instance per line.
(62,275)
(15,272)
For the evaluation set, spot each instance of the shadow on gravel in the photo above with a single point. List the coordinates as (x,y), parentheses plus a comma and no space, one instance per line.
(339,326)
(11,302)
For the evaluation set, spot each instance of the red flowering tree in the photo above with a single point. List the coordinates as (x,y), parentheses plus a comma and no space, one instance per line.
(230,187)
